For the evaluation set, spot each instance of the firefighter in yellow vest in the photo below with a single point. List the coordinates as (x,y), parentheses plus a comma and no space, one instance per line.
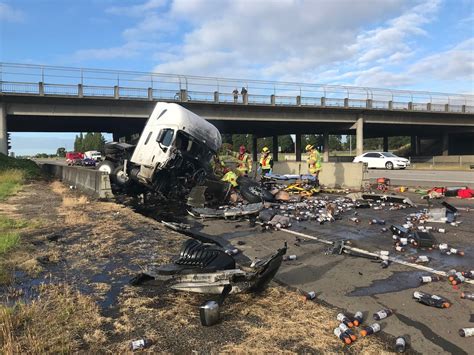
(266,162)
(218,166)
(244,166)
(314,160)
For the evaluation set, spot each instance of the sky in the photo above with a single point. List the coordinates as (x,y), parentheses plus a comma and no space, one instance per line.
(407,44)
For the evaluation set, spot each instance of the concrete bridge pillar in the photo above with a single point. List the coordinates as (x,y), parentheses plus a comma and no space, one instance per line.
(275,148)
(116,92)
(445,144)
(216,97)
(272,100)
(3,129)
(415,145)
(254,147)
(298,147)
(326,147)
(385,143)
(360,135)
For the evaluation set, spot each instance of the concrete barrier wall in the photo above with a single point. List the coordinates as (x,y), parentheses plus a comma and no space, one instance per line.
(444,159)
(348,175)
(89,181)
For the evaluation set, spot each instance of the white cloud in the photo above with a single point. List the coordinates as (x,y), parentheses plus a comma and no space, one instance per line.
(388,43)
(453,64)
(136,10)
(10,14)
(365,42)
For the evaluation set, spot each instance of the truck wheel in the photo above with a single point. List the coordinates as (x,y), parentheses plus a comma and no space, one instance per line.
(254,193)
(106,166)
(120,177)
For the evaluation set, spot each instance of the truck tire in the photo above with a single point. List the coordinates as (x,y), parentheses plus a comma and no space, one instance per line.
(254,193)
(120,178)
(106,166)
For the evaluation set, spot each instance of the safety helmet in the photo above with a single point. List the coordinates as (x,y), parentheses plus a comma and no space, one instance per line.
(265,150)
(309,147)
(242,149)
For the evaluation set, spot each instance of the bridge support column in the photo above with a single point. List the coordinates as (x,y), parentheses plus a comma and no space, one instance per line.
(254,147)
(326,147)
(415,145)
(275,148)
(385,143)
(360,135)
(298,147)
(445,144)
(3,129)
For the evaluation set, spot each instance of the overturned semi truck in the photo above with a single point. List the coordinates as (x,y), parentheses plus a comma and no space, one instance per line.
(172,155)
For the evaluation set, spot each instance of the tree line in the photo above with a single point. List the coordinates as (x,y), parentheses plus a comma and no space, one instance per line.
(287,145)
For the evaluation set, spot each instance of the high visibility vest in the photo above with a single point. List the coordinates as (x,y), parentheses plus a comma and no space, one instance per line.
(314,162)
(231,178)
(245,163)
(265,162)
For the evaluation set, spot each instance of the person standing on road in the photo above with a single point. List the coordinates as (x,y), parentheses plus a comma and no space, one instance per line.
(244,161)
(314,160)
(266,162)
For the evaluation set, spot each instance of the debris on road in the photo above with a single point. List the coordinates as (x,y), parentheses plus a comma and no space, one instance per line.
(431,300)
(371,329)
(466,332)
(207,268)
(400,345)
(140,344)
(384,313)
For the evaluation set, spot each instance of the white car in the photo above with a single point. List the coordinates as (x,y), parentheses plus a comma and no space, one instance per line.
(384,160)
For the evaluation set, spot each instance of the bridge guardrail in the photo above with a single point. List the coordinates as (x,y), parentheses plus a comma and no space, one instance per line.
(42,80)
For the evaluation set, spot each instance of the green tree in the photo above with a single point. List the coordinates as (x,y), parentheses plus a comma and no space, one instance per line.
(373,144)
(335,142)
(286,143)
(397,142)
(61,152)
(313,139)
(241,139)
(78,143)
(91,141)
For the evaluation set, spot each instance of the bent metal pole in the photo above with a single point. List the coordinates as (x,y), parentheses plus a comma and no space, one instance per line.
(366,252)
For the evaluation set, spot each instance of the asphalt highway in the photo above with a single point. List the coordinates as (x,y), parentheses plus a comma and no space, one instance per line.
(426,178)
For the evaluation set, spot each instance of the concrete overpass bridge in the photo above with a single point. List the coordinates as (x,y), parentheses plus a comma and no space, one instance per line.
(57,99)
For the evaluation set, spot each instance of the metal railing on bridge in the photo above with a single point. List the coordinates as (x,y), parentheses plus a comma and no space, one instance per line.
(26,79)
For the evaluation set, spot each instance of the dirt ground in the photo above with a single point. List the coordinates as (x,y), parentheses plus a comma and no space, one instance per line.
(69,289)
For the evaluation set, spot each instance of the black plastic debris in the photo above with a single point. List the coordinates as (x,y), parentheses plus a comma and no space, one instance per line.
(423,239)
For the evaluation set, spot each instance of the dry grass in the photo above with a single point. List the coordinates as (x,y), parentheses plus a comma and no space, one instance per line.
(73,208)
(276,321)
(61,320)
(285,320)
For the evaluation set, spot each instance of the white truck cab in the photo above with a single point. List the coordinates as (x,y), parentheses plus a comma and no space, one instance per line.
(93,154)
(173,152)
